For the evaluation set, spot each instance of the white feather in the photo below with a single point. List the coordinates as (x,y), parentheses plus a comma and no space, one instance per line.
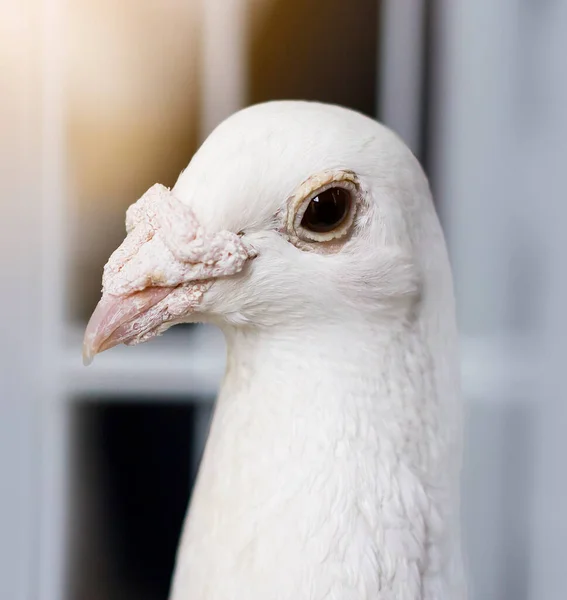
(332,466)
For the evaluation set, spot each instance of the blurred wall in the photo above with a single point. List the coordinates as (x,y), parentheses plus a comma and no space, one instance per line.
(132,119)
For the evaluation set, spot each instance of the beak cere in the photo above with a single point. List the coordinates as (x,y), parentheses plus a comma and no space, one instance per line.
(160,272)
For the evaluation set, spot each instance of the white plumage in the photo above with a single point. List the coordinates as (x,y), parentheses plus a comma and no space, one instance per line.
(332,466)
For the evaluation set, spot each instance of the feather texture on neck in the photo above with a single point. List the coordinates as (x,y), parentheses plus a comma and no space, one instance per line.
(327,473)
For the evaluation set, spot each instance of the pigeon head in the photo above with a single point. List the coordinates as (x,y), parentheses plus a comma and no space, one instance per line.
(290,214)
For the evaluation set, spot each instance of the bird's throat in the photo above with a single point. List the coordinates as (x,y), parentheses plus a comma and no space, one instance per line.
(318,472)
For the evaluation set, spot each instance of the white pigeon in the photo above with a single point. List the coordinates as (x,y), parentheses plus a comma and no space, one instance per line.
(307,233)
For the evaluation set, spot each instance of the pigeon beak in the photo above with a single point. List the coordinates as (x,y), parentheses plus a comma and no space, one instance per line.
(159,274)
(115,318)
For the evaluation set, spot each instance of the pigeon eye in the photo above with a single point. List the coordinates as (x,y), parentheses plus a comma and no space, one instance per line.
(323,209)
(327,211)
(325,214)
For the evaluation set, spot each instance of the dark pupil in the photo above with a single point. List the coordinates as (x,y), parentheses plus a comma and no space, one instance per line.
(327,210)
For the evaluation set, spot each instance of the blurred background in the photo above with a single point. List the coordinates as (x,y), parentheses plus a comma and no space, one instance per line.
(102,98)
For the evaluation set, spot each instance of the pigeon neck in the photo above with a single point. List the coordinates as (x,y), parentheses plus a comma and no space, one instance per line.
(327,466)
